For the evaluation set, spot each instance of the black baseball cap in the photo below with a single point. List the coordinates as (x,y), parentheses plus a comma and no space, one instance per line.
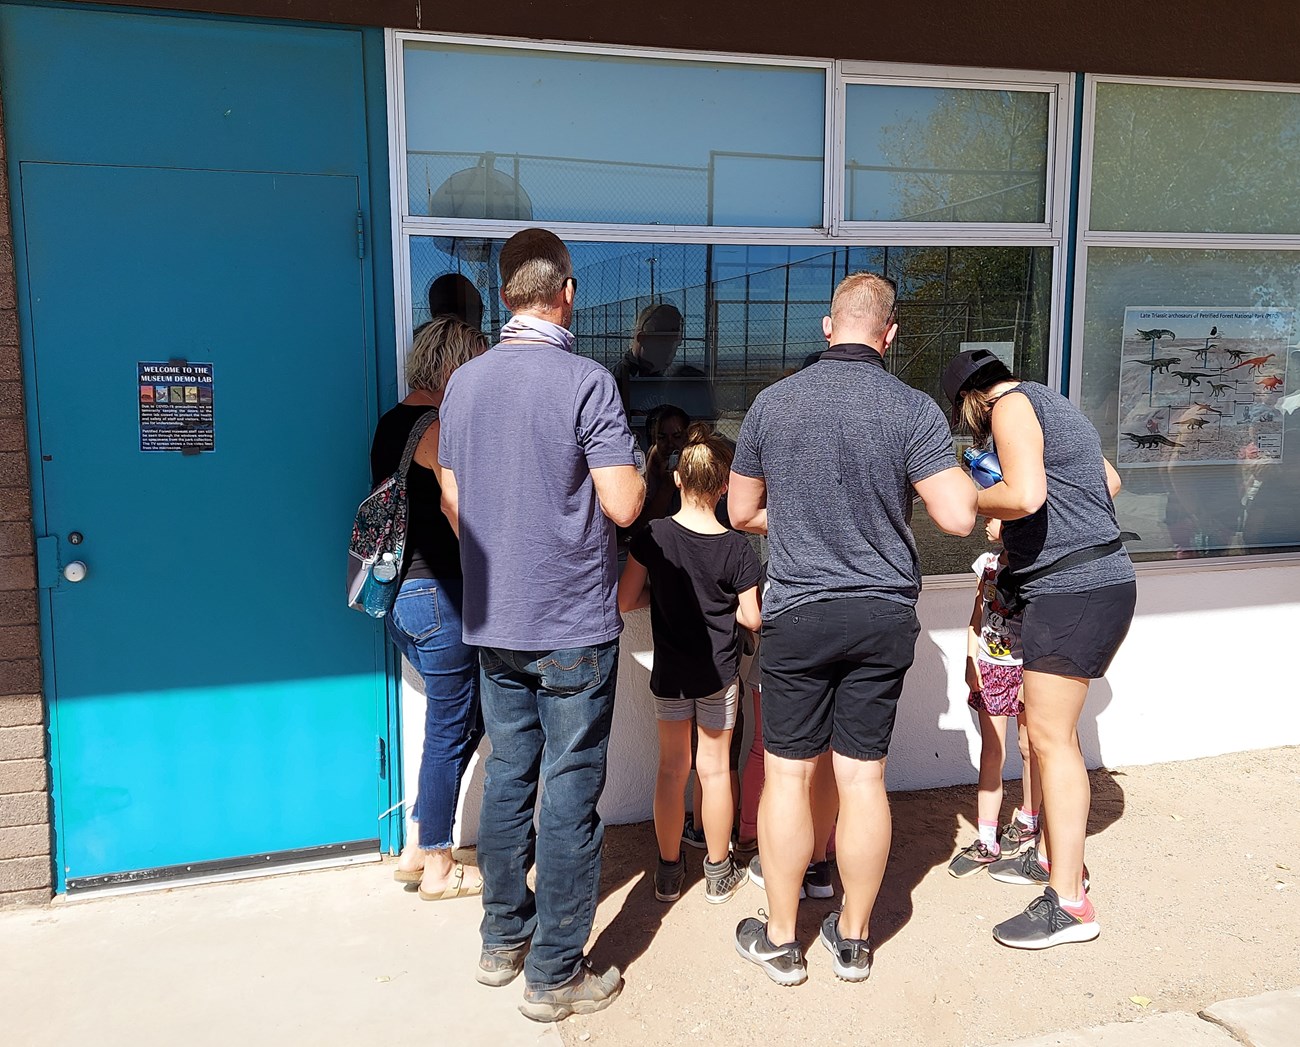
(968,369)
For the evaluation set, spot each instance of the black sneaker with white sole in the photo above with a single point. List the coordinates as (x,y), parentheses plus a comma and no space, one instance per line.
(852,956)
(693,835)
(784,964)
(970,861)
(723,880)
(1026,870)
(668,879)
(817,881)
(1045,923)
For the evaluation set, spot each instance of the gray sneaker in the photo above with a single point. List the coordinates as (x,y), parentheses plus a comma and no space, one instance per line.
(693,835)
(852,961)
(585,993)
(756,878)
(1015,837)
(723,880)
(784,964)
(1045,924)
(668,879)
(970,861)
(1026,870)
(817,881)
(498,967)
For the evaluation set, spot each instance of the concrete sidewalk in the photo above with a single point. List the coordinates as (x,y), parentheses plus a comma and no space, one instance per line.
(346,956)
(342,956)
(1269,1020)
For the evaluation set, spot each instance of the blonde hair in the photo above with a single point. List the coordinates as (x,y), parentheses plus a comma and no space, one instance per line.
(438,348)
(864,299)
(975,412)
(534,265)
(705,463)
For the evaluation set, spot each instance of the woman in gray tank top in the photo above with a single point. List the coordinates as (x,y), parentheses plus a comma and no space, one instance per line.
(1067,567)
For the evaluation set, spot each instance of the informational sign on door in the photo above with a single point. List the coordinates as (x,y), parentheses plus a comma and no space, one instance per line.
(176,407)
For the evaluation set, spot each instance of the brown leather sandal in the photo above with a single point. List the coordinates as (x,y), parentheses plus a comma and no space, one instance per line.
(456,887)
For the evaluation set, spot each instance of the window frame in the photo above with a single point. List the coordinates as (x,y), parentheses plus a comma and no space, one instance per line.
(1088,238)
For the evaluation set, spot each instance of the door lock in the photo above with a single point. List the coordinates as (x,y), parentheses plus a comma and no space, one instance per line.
(75,571)
(76,538)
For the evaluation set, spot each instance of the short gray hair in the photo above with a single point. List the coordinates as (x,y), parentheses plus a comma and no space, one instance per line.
(438,348)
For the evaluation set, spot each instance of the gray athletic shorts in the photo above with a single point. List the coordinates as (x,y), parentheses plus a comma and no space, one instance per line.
(717,712)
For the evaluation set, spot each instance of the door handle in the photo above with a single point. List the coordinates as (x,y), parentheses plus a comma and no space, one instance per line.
(75,571)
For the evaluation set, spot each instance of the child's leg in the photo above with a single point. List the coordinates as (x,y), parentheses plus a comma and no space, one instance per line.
(670,786)
(993,753)
(1031,790)
(713,768)
(751,782)
(825,807)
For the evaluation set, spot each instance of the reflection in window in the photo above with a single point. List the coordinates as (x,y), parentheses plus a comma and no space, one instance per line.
(931,154)
(1185,159)
(545,136)
(708,326)
(1209,448)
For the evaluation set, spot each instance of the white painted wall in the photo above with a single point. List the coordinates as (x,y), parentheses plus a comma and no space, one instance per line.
(1205,670)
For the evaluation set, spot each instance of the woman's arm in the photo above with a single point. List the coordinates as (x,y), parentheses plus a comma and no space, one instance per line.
(633,586)
(748,612)
(1112,479)
(1019,439)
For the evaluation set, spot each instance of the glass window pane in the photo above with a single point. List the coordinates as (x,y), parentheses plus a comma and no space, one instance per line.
(939,154)
(1188,160)
(1190,375)
(742,317)
(562,137)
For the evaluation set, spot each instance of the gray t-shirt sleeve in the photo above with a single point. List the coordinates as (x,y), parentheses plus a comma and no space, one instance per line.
(929,449)
(747,460)
(447,427)
(601,424)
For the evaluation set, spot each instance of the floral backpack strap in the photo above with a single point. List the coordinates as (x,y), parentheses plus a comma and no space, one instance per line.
(418,430)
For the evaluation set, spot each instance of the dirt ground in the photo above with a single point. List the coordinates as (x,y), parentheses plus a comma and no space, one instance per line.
(1195,874)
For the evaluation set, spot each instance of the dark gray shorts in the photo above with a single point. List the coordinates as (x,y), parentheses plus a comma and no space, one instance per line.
(1077,634)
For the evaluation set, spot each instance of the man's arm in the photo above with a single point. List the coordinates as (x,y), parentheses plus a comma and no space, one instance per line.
(949,497)
(620,491)
(450,499)
(1112,479)
(747,503)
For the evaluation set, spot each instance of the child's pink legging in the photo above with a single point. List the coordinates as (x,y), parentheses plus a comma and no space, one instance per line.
(751,780)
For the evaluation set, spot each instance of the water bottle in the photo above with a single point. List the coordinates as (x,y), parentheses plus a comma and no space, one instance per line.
(378,597)
(985,469)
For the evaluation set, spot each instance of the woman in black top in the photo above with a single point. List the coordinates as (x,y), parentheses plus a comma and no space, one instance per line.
(1078,589)
(425,622)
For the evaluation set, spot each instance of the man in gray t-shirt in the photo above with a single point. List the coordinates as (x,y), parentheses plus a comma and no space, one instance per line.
(539,468)
(826,465)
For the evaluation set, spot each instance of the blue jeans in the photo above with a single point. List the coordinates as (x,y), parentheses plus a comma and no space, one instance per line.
(425,625)
(548,715)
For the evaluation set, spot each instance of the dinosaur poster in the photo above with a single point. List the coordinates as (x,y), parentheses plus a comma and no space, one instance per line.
(1200,386)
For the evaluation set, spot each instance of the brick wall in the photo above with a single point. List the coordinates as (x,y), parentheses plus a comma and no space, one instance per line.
(24,785)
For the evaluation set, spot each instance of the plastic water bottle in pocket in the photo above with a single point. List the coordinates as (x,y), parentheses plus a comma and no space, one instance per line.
(985,469)
(380,586)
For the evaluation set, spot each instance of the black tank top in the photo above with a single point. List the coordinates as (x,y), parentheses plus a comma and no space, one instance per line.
(431,547)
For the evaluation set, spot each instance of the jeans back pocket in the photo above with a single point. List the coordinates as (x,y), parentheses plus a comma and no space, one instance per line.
(569,671)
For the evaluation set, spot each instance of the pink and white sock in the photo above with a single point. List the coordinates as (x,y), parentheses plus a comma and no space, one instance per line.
(1027,818)
(989,835)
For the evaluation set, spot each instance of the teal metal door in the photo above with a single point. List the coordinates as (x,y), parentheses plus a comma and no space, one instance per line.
(212,697)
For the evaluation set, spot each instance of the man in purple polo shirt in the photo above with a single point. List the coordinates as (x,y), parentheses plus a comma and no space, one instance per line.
(541,468)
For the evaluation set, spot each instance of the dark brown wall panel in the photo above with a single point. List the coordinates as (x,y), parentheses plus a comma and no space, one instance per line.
(1191,38)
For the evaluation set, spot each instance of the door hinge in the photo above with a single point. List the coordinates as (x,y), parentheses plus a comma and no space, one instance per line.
(361,235)
(383,758)
(47,562)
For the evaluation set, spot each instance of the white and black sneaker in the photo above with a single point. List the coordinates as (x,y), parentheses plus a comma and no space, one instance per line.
(784,964)
(816,881)
(1026,870)
(1045,923)
(852,956)
(723,880)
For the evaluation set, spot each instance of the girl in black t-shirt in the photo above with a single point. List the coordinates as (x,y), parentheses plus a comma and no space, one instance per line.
(699,580)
